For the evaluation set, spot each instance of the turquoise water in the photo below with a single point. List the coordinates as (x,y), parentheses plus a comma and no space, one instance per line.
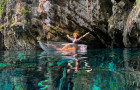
(98,69)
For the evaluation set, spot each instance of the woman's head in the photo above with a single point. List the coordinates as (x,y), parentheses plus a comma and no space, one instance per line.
(75,35)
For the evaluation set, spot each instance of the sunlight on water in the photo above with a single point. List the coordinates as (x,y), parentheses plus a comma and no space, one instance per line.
(98,69)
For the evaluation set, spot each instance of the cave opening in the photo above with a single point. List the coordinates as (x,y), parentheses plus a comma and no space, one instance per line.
(117,1)
(129,0)
(132,0)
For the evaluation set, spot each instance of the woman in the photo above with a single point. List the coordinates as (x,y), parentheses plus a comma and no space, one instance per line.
(74,40)
(70,47)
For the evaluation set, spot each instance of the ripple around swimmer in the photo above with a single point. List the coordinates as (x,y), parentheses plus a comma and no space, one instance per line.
(98,69)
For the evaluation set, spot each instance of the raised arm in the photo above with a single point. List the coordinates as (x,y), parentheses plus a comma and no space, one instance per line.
(69,38)
(83,36)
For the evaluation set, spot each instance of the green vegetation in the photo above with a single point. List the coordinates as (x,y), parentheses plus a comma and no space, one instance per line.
(2,5)
(137,1)
(23,10)
(13,22)
(1,26)
(25,21)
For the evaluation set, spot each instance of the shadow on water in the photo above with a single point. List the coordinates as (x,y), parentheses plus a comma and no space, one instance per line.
(98,69)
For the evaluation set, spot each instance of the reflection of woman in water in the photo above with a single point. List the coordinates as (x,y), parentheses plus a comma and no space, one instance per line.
(74,40)
(77,62)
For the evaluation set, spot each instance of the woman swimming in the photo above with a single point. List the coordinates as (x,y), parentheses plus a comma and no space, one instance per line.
(70,47)
(74,40)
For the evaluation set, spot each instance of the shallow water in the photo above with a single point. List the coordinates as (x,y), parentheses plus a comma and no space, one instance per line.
(98,69)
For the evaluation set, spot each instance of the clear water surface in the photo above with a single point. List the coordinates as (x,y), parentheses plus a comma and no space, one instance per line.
(98,69)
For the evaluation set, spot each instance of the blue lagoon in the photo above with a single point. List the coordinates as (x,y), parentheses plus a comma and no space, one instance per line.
(97,69)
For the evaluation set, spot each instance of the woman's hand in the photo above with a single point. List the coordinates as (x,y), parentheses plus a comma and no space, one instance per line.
(88,32)
(69,37)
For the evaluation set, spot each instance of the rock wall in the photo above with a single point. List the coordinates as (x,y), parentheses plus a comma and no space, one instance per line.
(19,25)
(1,41)
(23,22)
(131,33)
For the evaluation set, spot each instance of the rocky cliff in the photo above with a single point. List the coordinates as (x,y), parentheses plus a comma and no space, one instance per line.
(112,23)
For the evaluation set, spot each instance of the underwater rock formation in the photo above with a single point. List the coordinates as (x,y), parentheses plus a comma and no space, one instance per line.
(23,22)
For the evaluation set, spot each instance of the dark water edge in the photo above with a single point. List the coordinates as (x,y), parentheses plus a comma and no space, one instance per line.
(97,69)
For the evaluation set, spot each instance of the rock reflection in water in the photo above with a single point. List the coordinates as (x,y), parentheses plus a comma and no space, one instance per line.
(98,69)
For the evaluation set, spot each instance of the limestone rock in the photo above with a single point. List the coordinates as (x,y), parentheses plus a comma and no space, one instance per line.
(131,33)
(107,21)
